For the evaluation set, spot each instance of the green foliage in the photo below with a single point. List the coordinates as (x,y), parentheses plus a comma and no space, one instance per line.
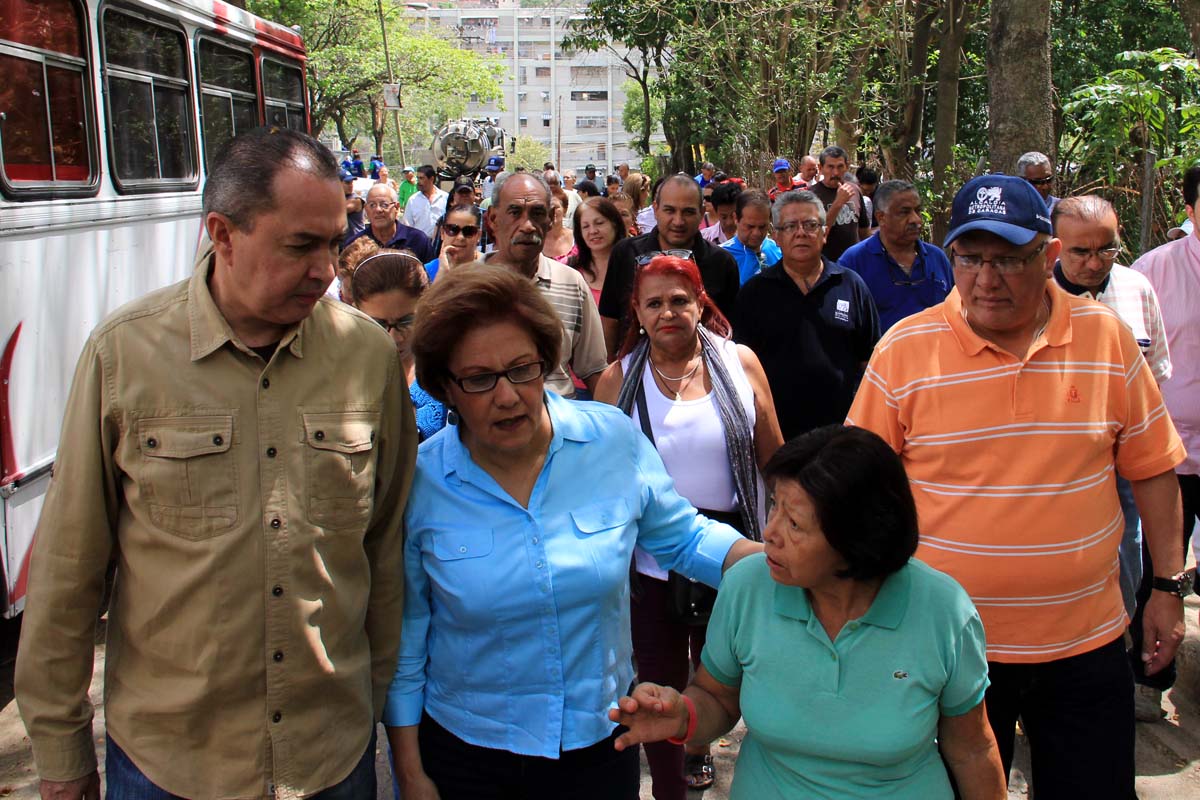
(527,153)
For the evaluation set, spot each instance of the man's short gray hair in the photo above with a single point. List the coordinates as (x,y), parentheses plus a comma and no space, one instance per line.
(498,186)
(384,187)
(885,191)
(793,198)
(1032,159)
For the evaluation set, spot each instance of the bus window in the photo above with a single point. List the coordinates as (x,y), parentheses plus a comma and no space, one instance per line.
(45,133)
(284,92)
(149,107)
(228,103)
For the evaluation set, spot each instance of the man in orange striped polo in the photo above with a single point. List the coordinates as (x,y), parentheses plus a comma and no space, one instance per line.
(1013,405)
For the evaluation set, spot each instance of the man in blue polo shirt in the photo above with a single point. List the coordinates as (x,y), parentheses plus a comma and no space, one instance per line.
(905,275)
(811,322)
(750,247)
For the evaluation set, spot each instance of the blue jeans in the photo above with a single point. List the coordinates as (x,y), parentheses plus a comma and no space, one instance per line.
(1130,553)
(124,781)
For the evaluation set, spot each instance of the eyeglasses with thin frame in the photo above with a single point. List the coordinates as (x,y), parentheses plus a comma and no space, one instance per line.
(1107,255)
(403,324)
(450,229)
(809,226)
(486,381)
(1005,265)
(646,258)
(382,205)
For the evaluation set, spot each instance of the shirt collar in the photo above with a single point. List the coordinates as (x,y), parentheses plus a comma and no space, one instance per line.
(567,423)
(1056,333)
(886,611)
(209,329)
(1073,288)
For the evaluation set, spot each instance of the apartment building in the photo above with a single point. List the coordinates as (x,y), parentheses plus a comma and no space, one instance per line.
(570,101)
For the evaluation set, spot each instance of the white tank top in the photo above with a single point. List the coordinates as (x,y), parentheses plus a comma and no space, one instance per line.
(691,441)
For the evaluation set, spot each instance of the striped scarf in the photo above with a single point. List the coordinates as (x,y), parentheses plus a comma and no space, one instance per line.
(739,437)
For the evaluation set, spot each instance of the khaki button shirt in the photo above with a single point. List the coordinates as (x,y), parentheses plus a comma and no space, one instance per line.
(254,512)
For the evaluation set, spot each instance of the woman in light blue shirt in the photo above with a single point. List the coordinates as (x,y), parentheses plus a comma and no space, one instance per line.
(860,671)
(520,529)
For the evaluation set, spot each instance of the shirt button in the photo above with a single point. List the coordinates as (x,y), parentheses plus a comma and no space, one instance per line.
(275,523)
(152,443)
(278,656)
(536,540)
(319,436)
(538,565)
(276,716)
(218,440)
(462,548)
(266,383)
(277,591)
(833,656)
(271,451)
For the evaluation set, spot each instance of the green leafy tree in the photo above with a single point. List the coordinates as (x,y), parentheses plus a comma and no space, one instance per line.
(528,154)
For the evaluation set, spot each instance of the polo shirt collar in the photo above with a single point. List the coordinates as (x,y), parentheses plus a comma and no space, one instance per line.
(1056,333)
(1073,288)
(874,246)
(886,611)
(831,271)
(567,423)
(208,328)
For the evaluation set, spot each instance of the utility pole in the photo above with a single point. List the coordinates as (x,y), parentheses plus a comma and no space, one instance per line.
(391,79)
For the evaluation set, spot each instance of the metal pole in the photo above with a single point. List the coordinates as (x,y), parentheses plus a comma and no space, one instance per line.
(391,79)
(1147,198)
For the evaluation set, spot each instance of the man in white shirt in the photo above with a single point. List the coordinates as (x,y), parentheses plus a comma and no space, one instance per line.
(426,208)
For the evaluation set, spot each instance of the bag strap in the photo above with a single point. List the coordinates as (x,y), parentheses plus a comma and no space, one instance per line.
(643,413)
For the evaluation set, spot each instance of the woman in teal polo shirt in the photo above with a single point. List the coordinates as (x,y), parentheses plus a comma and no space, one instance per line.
(860,672)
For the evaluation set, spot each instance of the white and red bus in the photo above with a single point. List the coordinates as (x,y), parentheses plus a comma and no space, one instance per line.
(109,113)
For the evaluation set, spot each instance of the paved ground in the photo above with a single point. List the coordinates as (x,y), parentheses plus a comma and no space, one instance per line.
(1168,752)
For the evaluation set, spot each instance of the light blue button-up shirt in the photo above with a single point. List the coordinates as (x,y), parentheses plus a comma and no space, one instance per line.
(749,262)
(516,621)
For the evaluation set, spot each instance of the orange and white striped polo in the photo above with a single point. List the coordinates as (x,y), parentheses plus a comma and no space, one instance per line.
(1013,464)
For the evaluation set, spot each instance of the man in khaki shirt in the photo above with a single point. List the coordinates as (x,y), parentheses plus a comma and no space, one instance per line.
(242,447)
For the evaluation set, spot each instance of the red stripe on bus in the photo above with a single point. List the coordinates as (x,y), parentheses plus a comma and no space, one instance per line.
(8,453)
(221,14)
(22,584)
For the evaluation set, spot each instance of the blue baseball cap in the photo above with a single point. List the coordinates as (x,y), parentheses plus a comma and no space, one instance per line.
(1005,205)
(347,175)
(496,163)
(781,163)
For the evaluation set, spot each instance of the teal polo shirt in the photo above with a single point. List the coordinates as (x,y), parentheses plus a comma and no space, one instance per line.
(856,717)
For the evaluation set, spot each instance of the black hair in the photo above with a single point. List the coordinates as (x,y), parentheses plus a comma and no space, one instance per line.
(1191,185)
(725,194)
(252,161)
(753,197)
(427,171)
(867,175)
(861,495)
(685,180)
(833,151)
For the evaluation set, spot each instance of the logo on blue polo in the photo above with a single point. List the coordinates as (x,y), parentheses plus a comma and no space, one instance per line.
(842,312)
(988,200)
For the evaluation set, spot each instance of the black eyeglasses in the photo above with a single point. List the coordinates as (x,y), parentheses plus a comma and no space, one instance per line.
(450,229)
(1041,181)
(646,258)
(402,324)
(486,381)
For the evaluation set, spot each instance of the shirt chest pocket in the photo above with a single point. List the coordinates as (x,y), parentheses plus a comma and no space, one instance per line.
(189,474)
(339,466)
(457,545)
(599,517)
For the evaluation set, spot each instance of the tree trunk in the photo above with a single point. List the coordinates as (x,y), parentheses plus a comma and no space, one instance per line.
(906,134)
(378,122)
(339,122)
(845,127)
(956,21)
(1020,107)
(1190,11)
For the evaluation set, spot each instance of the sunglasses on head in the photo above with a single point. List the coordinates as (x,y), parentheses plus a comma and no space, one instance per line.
(450,229)
(646,258)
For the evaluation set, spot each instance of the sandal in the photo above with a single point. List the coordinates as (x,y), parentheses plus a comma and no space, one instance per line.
(698,771)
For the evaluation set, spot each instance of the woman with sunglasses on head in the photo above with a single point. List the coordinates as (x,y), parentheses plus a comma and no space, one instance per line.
(459,232)
(386,287)
(598,227)
(705,404)
(520,528)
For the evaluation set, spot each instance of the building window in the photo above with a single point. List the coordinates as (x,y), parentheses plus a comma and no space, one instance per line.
(228,101)
(589,95)
(45,95)
(545,119)
(541,72)
(474,97)
(524,122)
(522,95)
(593,122)
(522,76)
(545,97)
(283,88)
(149,100)
(602,152)
(586,75)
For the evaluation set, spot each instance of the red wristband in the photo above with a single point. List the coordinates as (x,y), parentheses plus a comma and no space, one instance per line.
(691,726)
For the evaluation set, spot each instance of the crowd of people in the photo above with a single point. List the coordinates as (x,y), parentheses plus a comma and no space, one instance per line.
(938,485)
